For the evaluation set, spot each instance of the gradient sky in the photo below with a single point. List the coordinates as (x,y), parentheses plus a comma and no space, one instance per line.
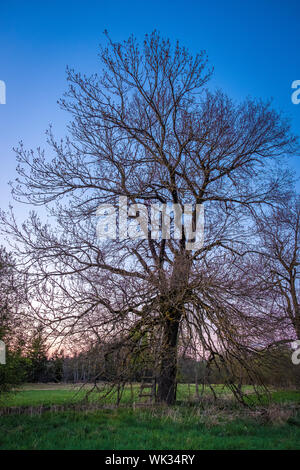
(253,46)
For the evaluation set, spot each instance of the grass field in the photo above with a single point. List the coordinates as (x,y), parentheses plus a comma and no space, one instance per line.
(186,426)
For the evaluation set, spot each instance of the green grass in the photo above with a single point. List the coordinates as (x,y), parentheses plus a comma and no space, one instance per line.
(141,429)
(180,427)
(283,396)
(63,394)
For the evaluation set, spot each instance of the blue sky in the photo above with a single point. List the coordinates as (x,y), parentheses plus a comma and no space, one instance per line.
(253,46)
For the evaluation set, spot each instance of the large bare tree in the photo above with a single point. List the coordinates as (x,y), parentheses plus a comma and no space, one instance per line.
(146,128)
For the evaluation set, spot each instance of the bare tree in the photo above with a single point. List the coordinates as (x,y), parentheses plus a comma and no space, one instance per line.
(279,231)
(146,129)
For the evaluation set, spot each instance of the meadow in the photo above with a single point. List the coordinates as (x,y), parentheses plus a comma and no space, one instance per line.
(70,422)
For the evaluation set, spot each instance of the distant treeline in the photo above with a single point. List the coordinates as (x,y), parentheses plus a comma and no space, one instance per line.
(29,360)
(33,364)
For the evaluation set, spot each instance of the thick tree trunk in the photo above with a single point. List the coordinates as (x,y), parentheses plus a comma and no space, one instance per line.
(168,368)
(172,307)
(297,327)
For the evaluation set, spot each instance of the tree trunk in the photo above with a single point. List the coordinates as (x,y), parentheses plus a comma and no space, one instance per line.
(172,307)
(297,325)
(168,367)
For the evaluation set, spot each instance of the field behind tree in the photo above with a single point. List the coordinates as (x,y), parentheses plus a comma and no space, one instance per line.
(58,416)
